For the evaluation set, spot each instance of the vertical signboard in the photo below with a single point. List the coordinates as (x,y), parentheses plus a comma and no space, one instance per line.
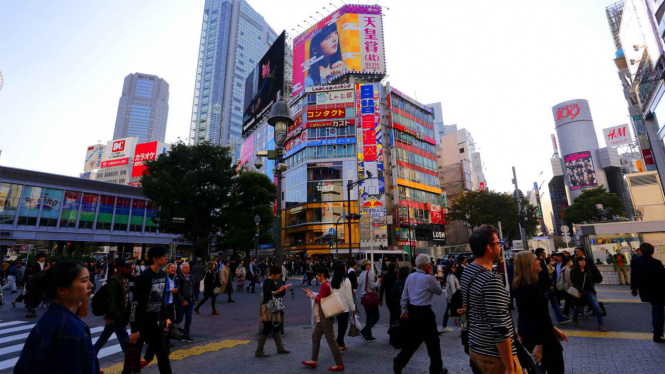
(617,135)
(370,152)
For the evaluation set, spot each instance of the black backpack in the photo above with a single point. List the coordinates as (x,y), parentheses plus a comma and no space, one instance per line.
(99,302)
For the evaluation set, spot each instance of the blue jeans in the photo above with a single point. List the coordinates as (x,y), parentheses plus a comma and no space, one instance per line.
(591,300)
(657,319)
(551,295)
(120,332)
(186,313)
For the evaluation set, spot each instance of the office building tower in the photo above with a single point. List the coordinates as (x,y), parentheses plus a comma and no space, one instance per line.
(234,37)
(438,120)
(143,109)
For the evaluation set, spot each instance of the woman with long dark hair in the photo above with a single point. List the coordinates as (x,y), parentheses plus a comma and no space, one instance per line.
(61,342)
(326,51)
(210,281)
(341,286)
(582,280)
(387,284)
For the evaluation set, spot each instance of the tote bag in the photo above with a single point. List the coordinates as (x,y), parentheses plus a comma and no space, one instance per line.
(331,306)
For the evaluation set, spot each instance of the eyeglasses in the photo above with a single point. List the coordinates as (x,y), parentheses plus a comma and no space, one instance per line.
(497,244)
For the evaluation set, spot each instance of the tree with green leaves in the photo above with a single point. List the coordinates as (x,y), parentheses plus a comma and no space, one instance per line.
(195,183)
(490,207)
(254,193)
(584,207)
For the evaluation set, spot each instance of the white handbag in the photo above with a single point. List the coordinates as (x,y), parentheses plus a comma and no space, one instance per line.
(331,306)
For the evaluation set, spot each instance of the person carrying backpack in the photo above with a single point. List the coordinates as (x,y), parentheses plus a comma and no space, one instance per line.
(112,301)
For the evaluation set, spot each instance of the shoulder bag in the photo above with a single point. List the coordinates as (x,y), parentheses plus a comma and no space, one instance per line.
(561,284)
(574,292)
(465,332)
(370,299)
(331,306)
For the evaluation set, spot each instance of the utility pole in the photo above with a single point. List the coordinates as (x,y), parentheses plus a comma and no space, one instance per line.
(525,242)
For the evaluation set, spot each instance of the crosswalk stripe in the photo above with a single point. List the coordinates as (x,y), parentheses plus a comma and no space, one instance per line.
(12,323)
(23,336)
(104,352)
(14,329)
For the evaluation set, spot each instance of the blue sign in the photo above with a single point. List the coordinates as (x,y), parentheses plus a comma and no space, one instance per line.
(295,149)
(266,246)
(313,143)
(331,231)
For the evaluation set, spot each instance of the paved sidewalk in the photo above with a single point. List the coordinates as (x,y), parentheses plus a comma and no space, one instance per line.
(588,353)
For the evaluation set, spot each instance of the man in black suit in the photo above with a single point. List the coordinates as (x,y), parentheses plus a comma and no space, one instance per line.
(646,279)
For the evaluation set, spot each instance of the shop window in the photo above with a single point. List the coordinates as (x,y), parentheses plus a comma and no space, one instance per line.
(51,209)
(138,210)
(122,206)
(29,206)
(105,216)
(9,200)
(70,209)
(88,210)
(151,223)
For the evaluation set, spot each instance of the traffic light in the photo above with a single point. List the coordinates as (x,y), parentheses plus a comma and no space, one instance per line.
(353,216)
(330,244)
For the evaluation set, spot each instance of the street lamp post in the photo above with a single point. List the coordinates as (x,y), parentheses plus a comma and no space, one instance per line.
(257,221)
(280,119)
(349,187)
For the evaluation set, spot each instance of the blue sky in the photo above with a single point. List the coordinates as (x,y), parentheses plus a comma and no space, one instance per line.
(497,66)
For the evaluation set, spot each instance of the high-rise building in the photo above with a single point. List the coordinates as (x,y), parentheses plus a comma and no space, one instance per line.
(637,28)
(459,170)
(234,37)
(143,109)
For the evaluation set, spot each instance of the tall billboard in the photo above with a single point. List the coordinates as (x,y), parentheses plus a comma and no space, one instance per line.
(93,157)
(263,84)
(350,40)
(580,170)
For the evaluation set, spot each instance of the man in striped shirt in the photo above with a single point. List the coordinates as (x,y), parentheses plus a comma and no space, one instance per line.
(490,323)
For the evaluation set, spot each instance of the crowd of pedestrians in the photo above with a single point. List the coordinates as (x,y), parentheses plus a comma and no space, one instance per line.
(155,297)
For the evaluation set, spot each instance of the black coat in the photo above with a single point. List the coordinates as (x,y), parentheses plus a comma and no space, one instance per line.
(544,280)
(210,281)
(647,276)
(534,322)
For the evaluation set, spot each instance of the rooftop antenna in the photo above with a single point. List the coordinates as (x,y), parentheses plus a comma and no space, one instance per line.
(342,2)
(307,22)
(315,20)
(304,29)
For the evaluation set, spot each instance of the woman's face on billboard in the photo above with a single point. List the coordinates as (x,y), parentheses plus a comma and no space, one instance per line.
(329,44)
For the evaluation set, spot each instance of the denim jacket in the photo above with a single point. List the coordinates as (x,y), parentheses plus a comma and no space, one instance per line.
(59,343)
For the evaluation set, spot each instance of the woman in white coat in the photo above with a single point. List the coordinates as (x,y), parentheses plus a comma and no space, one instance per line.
(341,286)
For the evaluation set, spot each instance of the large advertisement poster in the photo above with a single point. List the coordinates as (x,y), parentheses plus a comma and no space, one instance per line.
(144,152)
(580,170)
(350,40)
(247,150)
(263,84)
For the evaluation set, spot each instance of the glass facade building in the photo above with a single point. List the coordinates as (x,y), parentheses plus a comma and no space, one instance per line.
(143,109)
(234,37)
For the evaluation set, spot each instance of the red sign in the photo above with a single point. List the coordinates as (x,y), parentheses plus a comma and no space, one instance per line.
(135,184)
(648,156)
(143,152)
(118,162)
(482,186)
(436,214)
(118,146)
(570,110)
(295,141)
(325,114)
